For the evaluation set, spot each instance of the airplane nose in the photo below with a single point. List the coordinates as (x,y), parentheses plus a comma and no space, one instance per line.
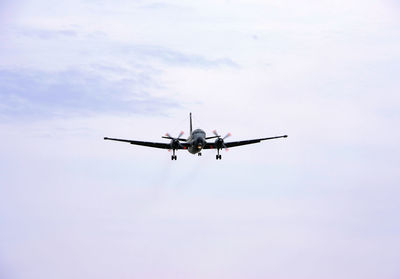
(200,144)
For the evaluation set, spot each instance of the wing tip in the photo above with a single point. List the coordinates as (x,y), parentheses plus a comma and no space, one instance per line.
(285,136)
(105,138)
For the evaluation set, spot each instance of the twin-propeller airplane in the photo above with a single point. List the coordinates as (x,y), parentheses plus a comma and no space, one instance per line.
(196,142)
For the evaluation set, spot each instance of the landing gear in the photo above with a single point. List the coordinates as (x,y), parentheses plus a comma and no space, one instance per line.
(173,157)
(199,154)
(218,156)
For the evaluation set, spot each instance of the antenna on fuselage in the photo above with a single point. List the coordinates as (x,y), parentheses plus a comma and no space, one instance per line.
(190,123)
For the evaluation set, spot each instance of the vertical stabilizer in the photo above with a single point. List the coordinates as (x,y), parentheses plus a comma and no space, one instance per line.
(190,123)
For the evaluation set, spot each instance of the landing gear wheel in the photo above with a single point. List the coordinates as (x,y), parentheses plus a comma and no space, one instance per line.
(218,157)
(199,154)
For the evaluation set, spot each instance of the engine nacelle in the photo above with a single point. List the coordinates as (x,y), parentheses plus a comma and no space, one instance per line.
(175,144)
(219,143)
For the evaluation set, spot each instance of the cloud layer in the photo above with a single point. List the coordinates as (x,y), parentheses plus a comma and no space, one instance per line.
(35,94)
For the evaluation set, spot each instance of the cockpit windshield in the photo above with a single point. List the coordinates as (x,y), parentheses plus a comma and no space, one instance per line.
(199,132)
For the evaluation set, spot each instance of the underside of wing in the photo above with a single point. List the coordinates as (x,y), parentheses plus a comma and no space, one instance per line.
(146,143)
(211,145)
(245,142)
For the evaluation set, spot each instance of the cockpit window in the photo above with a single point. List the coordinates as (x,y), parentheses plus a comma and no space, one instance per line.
(199,131)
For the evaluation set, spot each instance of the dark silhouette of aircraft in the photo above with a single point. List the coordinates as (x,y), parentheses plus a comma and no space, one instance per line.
(196,142)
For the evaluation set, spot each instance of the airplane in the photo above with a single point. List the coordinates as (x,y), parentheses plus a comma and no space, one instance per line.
(196,142)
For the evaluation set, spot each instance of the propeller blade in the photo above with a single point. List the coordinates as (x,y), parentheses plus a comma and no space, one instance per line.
(215,133)
(168,136)
(227,136)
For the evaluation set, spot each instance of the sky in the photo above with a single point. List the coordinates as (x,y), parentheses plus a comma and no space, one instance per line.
(322,203)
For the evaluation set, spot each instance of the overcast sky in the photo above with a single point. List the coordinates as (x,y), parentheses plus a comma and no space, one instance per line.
(323,203)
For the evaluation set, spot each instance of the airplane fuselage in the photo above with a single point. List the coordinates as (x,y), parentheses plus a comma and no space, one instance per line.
(197,141)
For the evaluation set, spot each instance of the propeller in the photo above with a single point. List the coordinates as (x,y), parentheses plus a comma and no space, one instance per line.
(175,143)
(219,142)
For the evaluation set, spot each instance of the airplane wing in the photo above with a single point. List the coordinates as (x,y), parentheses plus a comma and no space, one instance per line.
(243,142)
(146,143)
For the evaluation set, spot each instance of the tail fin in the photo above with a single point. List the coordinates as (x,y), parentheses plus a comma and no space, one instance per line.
(190,123)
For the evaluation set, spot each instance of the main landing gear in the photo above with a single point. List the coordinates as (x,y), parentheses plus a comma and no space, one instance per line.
(218,156)
(173,157)
(199,154)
